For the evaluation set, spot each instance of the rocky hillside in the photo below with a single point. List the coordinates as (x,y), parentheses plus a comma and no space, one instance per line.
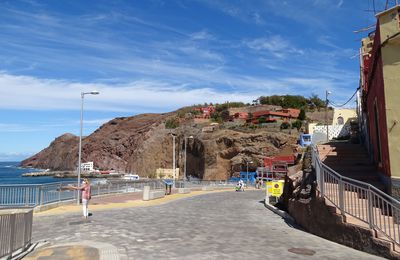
(141,144)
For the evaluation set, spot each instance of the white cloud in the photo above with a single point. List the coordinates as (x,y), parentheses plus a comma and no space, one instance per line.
(16,128)
(201,35)
(96,121)
(14,156)
(276,45)
(23,92)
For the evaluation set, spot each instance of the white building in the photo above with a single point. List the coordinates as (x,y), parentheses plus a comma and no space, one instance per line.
(87,166)
(339,127)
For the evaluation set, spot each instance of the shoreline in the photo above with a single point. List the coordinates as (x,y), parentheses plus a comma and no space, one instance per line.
(69,174)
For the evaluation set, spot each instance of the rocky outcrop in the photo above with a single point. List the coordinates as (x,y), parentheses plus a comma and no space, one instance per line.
(141,144)
(62,154)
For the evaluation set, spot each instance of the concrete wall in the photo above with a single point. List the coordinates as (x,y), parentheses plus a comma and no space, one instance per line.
(319,219)
(335,131)
(390,26)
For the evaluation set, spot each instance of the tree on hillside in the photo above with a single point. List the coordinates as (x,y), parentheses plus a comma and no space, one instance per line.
(297,124)
(292,101)
(172,123)
(302,115)
(262,120)
(227,105)
(224,115)
(315,101)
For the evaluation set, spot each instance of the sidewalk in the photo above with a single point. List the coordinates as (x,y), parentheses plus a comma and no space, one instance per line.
(95,250)
(125,200)
(199,227)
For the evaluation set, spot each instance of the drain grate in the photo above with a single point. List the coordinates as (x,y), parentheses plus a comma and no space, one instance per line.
(301,251)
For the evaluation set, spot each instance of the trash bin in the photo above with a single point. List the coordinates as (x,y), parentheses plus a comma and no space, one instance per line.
(168,186)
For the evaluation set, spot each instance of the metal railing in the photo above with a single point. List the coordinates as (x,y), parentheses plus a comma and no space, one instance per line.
(201,183)
(33,195)
(15,231)
(359,200)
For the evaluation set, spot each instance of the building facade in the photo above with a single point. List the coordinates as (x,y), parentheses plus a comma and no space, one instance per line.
(380,97)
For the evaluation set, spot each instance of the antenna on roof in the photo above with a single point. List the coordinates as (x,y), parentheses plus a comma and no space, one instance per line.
(365,29)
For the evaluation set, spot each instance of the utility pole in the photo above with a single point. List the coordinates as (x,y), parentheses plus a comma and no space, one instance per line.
(326,114)
(173,159)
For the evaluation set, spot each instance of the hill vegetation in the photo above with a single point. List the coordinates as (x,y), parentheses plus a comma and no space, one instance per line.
(293,101)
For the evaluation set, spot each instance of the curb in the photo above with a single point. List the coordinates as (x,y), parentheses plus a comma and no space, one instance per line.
(279,212)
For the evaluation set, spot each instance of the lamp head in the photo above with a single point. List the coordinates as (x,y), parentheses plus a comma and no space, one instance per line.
(94,92)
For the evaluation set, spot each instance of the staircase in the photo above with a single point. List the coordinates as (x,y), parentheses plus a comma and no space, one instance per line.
(350,160)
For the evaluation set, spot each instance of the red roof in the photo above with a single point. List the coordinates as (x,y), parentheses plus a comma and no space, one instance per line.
(270,113)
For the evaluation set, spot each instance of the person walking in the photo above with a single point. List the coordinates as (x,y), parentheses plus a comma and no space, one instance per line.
(86,196)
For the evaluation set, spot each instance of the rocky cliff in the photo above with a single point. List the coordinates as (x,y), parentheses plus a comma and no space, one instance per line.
(141,144)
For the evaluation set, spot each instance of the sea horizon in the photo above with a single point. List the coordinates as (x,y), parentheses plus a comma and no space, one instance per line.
(11,173)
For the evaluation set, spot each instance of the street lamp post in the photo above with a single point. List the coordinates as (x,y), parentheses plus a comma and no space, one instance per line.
(247,164)
(80,139)
(184,172)
(326,114)
(173,159)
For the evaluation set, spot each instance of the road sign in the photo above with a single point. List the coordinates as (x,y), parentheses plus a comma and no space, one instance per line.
(276,188)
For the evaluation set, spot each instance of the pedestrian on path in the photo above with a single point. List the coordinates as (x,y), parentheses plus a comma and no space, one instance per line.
(86,196)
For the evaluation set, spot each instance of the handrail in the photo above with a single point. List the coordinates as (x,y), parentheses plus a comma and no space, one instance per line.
(33,195)
(362,183)
(358,199)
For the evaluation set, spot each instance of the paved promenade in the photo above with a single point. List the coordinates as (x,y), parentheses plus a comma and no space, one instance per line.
(218,225)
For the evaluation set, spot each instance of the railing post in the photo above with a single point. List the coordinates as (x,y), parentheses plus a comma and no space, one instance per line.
(59,192)
(370,209)
(13,233)
(26,196)
(322,179)
(37,191)
(341,196)
(41,196)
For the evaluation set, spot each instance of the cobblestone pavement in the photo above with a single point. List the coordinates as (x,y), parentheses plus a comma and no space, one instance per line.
(225,225)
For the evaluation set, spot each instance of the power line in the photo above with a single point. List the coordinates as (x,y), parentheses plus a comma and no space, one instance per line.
(342,105)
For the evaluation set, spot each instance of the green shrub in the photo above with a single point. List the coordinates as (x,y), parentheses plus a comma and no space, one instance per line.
(285,125)
(172,123)
(262,120)
(297,124)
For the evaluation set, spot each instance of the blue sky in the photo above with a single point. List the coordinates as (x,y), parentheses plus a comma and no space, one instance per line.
(157,56)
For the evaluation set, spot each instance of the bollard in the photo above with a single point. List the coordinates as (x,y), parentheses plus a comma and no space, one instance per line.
(146,192)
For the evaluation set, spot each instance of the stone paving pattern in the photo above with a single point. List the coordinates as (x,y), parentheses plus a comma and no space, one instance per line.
(218,225)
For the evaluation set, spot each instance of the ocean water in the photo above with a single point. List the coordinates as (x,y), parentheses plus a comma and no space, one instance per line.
(11,173)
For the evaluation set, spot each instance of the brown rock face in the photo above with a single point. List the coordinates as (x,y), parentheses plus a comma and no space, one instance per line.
(141,144)
(61,154)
